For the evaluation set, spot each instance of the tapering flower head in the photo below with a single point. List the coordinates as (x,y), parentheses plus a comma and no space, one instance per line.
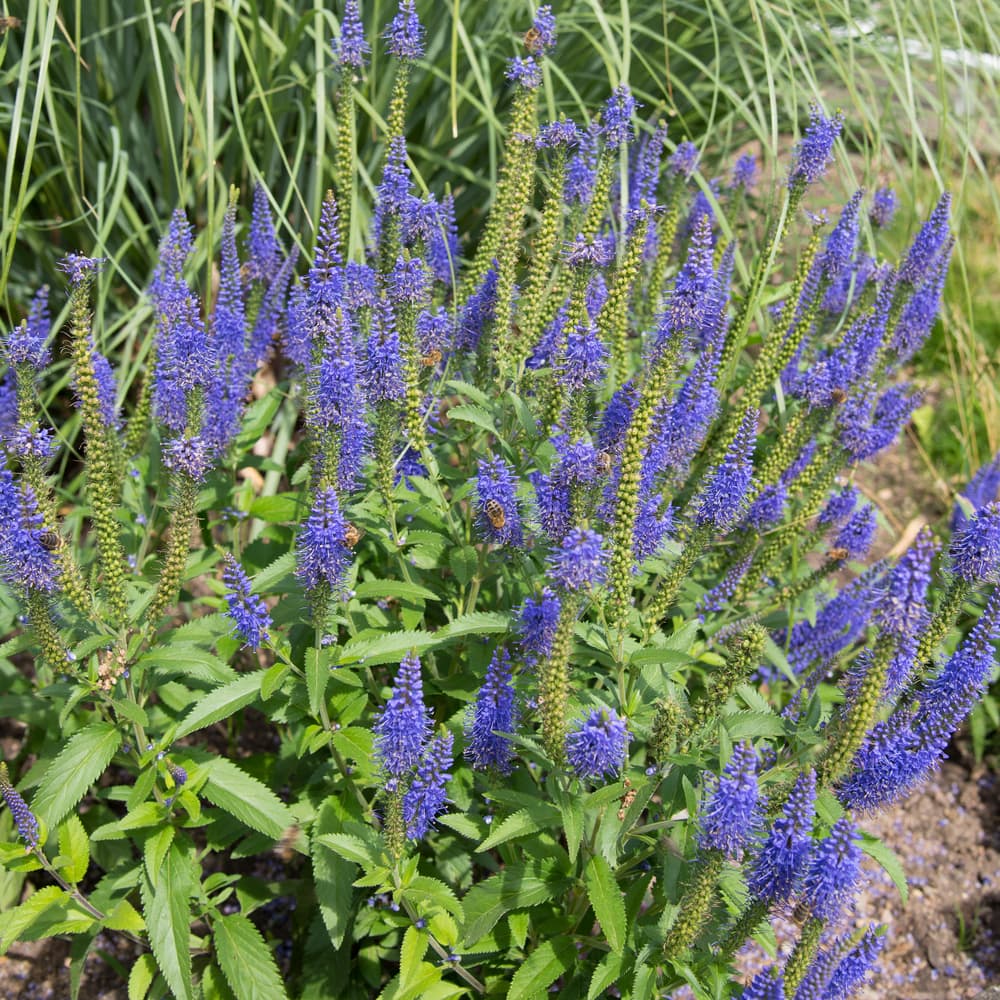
(780,866)
(382,371)
(833,871)
(178,773)
(580,562)
(744,173)
(585,359)
(405,34)
(25,562)
(982,488)
(975,547)
(191,456)
(26,343)
(902,606)
(321,552)
(497,516)
(857,535)
(563,134)
(587,253)
(537,622)
(684,159)
(691,293)
(425,799)
(351,48)
(597,745)
(524,71)
(80,268)
(723,501)
(408,282)
(402,728)
(854,968)
(263,248)
(839,507)
(616,122)
(766,985)
(730,816)
(494,712)
(840,244)
(542,36)
(248,611)
(928,243)
(24,820)
(815,150)
(884,204)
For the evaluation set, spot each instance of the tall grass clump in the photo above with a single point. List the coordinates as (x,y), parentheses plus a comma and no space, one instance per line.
(551,656)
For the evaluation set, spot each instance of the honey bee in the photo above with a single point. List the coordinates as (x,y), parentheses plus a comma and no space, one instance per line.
(627,799)
(431,358)
(838,396)
(6,23)
(288,846)
(532,39)
(837,555)
(604,462)
(496,513)
(50,540)
(352,535)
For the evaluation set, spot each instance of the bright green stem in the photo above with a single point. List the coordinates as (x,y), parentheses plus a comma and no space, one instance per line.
(742,929)
(103,471)
(412,416)
(806,583)
(599,198)
(43,622)
(695,905)
(343,164)
(801,957)
(666,232)
(612,320)
(396,121)
(736,337)
(939,626)
(138,425)
(386,435)
(860,713)
(395,829)
(543,252)
(655,391)
(178,544)
(666,592)
(522,119)
(553,683)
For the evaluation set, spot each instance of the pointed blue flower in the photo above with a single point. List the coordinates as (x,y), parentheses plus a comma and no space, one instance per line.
(542,37)
(321,553)
(494,712)
(723,502)
(263,248)
(597,745)
(497,517)
(616,122)
(730,816)
(26,343)
(853,969)
(25,562)
(425,799)
(857,535)
(975,547)
(403,726)
(684,160)
(839,507)
(834,871)
(928,243)
(902,606)
(382,376)
(537,621)
(405,34)
(766,985)
(580,562)
(744,173)
(884,203)
(24,820)
(249,613)
(524,71)
(351,48)
(981,489)
(584,361)
(780,865)
(815,151)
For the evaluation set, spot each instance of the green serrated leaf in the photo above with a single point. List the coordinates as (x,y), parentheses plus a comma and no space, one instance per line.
(471,414)
(317,676)
(399,589)
(515,887)
(18,920)
(889,860)
(141,977)
(522,823)
(474,623)
(464,825)
(333,875)
(74,846)
(606,899)
(277,509)
(246,961)
(424,889)
(350,848)
(221,703)
(386,648)
(750,725)
(411,954)
(242,796)
(542,968)
(571,809)
(606,974)
(273,678)
(79,764)
(168,918)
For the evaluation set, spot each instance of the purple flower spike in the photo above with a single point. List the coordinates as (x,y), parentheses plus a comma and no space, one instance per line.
(731,814)
(744,173)
(596,746)
(839,507)
(884,203)
(975,548)
(351,48)
(616,122)
(781,863)
(927,245)
(542,37)
(25,344)
(497,516)
(405,34)
(684,160)
(24,820)
(857,535)
(263,248)
(494,712)
(248,612)
(902,608)
(81,268)
(425,799)
(322,554)
(982,488)
(834,871)
(580,562)
(537,622)
(383,368)
(815,151)
(722,504)
(24,561)
(404,725)
(766,985)
(524,71)
(853,970)
(559,135)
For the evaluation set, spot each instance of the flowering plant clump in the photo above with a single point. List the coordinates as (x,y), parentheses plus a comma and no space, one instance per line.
(451,618)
